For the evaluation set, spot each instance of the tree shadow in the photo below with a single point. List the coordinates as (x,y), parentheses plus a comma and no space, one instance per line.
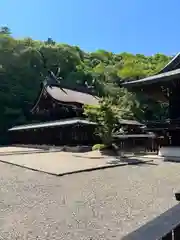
(174,160)
(131,161)
(23,152)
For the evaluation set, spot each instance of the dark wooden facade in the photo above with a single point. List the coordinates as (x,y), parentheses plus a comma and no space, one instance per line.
(54,114)
(55,103)
(164,86)
(67,132)
(131,126)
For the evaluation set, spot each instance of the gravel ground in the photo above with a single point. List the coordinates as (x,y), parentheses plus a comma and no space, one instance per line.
(98,205)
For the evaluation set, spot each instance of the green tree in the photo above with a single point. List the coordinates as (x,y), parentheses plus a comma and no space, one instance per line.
(50,41)
(100,71)
(109,113)
(106,115)
(5,30)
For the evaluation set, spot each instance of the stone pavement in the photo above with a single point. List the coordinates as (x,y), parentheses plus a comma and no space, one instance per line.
(61,163)
(96,205)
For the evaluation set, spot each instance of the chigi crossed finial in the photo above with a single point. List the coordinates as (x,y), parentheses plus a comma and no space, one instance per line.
(51,79)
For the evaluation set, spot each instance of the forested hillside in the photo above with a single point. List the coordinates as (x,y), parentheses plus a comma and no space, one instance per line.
(20,78)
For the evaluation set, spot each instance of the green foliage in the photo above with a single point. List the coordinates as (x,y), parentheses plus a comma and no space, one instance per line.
(106,115)
(111,109)
(5,30)
(20,78)
(98,147)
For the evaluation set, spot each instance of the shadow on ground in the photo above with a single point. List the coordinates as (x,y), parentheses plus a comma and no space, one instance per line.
(131,161)
(172,160)
(27,152)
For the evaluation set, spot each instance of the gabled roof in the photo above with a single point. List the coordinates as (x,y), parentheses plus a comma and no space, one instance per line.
(66,96)
(170,71)
(71,96)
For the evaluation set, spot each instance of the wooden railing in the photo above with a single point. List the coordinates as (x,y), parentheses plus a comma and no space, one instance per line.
(164,227)
(137,144)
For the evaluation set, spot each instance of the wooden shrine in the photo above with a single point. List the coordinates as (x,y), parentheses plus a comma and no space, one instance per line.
(165,86)
(57,117)
(54,103)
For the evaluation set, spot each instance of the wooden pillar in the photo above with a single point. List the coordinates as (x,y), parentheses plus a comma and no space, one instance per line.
(177,233)
(174,110)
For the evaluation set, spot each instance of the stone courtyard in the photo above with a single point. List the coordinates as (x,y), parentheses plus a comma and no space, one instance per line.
(103,204)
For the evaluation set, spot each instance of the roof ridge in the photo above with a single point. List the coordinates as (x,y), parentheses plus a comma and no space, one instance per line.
(76,89)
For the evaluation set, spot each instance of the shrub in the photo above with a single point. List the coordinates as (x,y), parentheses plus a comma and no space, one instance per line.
(98,147)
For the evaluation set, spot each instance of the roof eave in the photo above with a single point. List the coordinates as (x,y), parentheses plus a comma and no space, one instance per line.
(163,77)
(175,61)
(59,123)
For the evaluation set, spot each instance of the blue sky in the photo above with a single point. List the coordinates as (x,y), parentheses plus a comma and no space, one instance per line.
(136,26)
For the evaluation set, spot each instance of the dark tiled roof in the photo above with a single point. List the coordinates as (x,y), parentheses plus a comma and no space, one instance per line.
(71,96)
(172,65)
(154,79)
(170,71)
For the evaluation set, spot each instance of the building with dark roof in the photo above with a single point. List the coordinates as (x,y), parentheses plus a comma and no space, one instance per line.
(164,86)
(57,118)
(158,85)
(60,132)
(55,102)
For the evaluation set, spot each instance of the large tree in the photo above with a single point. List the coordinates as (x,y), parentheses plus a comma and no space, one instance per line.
(100,71)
